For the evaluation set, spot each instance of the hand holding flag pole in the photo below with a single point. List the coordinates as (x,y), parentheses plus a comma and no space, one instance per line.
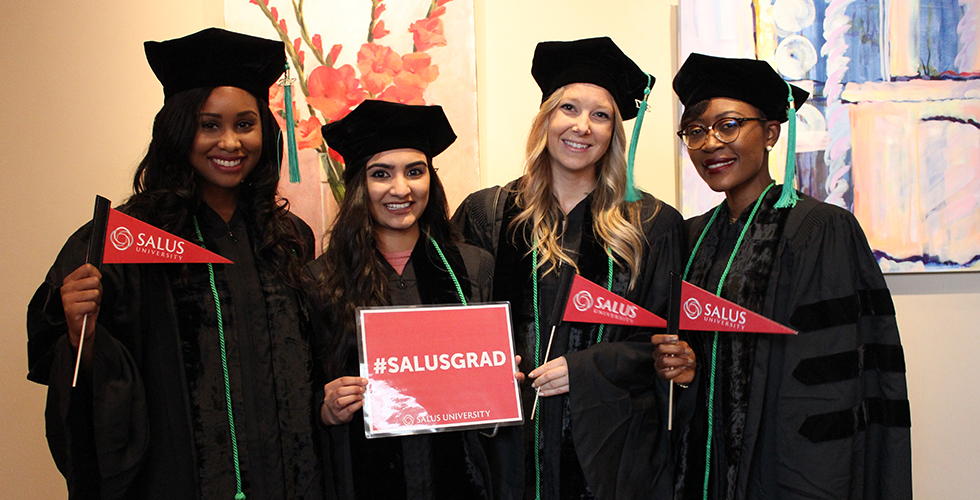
(557,314)
(583,301)
(690,308)
(699,310)
(134,242)
(96,246)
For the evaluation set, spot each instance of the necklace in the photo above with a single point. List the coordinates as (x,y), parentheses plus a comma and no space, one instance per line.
(714,343)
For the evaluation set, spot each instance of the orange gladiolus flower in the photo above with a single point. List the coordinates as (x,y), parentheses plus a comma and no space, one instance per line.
(427,33)
(334,91)
(405,94)
(417,70)
(378,65)
(308,135)
(336,156)
(379,30)
(334,52)
(277,97)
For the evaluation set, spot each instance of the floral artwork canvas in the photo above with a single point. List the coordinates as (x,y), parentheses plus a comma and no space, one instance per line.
(341,52)
(892,128)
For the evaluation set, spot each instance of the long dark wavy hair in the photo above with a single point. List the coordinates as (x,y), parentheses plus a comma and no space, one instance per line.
(354,274)
(166,192)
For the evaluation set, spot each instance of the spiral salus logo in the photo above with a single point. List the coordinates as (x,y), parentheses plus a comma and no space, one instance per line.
(692,308)
(121,238)
(582,301)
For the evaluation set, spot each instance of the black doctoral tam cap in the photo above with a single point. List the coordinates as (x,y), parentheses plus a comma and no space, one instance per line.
(592,60)
(703,77)
(376,126)
(216,58)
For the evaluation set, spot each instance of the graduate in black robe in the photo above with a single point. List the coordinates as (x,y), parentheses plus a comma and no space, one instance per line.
(391,245)
(155,414)
(821,414)
(576,210)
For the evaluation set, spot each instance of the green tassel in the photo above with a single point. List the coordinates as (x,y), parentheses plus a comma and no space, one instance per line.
(290,130)
(788,198)
(633,194)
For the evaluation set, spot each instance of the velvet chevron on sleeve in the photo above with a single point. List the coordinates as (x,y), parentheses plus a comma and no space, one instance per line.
(821,414)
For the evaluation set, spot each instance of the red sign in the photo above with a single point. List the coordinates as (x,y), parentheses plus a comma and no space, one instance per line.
(132,241)
(590,303)
(704,311)
(432,368)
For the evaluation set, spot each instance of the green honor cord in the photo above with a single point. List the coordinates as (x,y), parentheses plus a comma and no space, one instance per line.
(224,358)
(459,290)
(714,343)
(224,367)
(537,356)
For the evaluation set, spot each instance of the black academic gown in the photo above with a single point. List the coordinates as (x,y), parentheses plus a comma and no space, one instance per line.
(149,420)
(573,461)
(822,414)
(445,465)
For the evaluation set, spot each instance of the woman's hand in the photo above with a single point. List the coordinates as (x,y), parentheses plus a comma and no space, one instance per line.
(342,398)
(518,375)
(675,360)
(81,295)
(551,378)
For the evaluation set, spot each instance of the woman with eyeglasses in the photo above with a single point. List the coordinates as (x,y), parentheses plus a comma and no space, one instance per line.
(821,414)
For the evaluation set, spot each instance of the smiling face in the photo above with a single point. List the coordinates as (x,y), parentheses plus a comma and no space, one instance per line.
(580,128)
(740,169)
(398,189)
(228,142)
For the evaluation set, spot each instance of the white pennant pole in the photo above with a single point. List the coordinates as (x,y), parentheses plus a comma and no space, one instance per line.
(81,344)
(547,353)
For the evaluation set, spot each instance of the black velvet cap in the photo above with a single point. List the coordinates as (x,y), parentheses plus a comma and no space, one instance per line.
(703,77)
(216,58)
(592,60)
(377,126)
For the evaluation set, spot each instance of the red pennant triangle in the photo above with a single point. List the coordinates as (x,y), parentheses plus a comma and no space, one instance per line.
(704,311)
(132,241)
(590,303)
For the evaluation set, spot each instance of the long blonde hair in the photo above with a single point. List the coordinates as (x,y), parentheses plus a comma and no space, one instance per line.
(616,223)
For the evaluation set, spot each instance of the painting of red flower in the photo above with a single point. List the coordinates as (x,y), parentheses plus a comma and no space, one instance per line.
(415,52)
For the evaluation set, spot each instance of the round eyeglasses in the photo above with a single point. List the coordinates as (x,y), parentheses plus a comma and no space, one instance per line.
(725,130)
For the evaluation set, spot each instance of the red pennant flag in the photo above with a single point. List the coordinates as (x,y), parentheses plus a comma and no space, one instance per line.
(704,311)
(132,241)
(590,303)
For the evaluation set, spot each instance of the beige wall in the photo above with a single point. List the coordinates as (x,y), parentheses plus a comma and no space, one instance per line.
(77,99)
